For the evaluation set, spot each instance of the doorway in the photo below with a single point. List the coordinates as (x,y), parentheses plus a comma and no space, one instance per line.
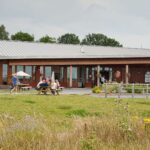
(81,75)
(106,72)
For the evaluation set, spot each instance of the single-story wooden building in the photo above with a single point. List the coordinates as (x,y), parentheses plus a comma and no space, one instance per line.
(73,65)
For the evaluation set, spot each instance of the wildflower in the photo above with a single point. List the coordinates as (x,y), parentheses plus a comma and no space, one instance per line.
(147,120)
(147,124)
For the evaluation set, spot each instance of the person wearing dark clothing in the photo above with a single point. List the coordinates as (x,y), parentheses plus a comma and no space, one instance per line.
(42,86)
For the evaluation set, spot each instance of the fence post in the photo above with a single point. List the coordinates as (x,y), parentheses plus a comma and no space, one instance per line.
(105,90)
(133,90)
(146,90)
(119,90)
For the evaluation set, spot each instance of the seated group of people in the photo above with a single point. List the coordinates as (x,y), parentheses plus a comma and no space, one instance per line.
(54,85)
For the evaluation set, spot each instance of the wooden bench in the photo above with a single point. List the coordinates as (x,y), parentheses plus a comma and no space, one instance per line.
(44,89)
(26,88)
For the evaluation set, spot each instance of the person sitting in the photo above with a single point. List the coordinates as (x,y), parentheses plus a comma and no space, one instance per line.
(53,87)
(57,86)
(49,82)
(42,83)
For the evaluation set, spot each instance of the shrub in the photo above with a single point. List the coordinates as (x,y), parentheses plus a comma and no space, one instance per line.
(111,88)
(97,89)
(137,88)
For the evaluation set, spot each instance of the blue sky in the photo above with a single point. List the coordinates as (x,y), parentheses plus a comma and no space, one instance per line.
(128,21)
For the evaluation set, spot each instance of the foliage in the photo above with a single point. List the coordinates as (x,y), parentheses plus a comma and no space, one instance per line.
(96,89)
(137,88)
(146,113)
(110,88)
(22,36)
(100,39)
(47,39)
(3,33)
(69,38)
(78,112)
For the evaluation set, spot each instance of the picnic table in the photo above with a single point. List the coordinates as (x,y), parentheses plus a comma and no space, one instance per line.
(46,89)
(23,86)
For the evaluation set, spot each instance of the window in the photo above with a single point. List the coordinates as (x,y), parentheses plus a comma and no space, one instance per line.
(28,70)
(41,70)
(74,73)
(106,69)
(68,73)
(33,73)
(93,72)
(87,74)
(110,74)
(61,73)
(20,68)
(5,70)
(48,72)
(13,69)
(147,77)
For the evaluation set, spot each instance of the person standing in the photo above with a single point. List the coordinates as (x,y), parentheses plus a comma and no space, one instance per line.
(14,83)
(102,80)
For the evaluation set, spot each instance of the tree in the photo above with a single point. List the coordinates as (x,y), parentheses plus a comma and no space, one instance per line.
(47,39)
(3,33)
(69,38)
(100,39)
(21,36)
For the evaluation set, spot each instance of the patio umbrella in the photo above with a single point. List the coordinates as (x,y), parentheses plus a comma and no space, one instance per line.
(22,74)
(53,77)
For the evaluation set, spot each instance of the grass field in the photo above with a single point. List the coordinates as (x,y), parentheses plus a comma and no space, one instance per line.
(73,122)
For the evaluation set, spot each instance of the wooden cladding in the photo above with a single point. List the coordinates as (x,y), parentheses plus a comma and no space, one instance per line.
(112,61)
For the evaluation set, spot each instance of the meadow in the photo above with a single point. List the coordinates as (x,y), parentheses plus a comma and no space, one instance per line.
(73,122)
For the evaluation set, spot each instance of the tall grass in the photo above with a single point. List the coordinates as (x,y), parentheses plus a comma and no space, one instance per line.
(76,128)
(86,133)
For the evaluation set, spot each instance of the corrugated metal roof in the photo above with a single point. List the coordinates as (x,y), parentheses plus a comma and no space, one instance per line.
(27,50)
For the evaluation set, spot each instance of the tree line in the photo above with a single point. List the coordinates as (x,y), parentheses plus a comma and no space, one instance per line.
(68,38)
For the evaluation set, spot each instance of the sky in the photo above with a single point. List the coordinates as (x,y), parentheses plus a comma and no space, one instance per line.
(127,21)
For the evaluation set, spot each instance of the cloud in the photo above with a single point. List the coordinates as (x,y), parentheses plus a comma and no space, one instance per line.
(125,21)
(34,28)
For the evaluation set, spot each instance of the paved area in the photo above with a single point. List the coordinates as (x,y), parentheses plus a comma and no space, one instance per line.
(88,91)
(79,91)
(85,91)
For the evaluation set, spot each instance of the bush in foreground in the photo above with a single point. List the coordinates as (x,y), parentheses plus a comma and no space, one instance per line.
(96,89)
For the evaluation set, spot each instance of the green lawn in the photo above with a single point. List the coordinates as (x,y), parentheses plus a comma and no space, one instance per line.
(72,122)
(59,106)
